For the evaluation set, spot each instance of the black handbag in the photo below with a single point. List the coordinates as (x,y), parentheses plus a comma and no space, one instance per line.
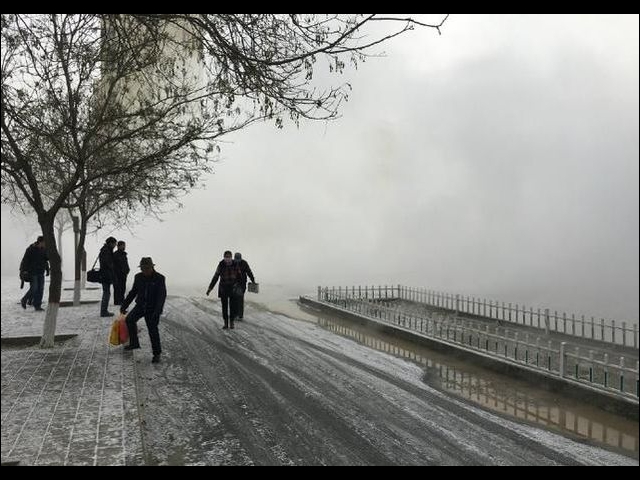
(94,275)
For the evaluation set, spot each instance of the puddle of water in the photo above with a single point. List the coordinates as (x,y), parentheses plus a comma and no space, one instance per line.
(498,393)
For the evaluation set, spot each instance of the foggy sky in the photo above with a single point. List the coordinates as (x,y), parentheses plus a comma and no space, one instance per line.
(499,159)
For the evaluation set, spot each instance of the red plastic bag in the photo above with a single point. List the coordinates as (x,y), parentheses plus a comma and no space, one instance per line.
(123,331)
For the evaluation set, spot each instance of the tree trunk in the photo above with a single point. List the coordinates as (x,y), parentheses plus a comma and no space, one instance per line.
(83,272)
(60,230)
(55,282)
(79,256)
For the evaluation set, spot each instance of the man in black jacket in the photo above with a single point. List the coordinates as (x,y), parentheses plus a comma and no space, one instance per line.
(121,269)
(150,291)
(246,272)
(35,262)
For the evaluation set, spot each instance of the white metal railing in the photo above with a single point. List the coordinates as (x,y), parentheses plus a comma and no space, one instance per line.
(600,369)
(618,333)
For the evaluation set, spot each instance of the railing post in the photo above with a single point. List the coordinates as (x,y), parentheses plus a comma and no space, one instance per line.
(613,331)
(319,293)
(606,370)
(457,303)
(546,321)
(624,334)
(635,335)
(622,374)
(562,358)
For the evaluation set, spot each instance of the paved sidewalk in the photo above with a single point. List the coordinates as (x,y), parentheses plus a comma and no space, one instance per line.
(74,404)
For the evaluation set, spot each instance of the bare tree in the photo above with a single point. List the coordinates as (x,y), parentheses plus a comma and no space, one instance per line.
(120,203)
(91,100)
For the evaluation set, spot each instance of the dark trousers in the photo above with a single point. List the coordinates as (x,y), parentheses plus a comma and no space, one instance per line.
(36,290)
(119,289)
(152,322)
(106,295)
(229,308)
(240,301)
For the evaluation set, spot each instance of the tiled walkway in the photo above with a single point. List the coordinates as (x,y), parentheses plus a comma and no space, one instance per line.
(74,404)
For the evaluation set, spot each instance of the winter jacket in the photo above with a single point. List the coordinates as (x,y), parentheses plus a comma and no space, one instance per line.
(149,292)
(35,260)
(230,275)
(121,263)
(107,270)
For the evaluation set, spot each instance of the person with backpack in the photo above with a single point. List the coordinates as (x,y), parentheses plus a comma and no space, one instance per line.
(229,289)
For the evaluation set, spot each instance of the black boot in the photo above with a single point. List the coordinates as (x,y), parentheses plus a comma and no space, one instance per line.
(232,324)
(226,325)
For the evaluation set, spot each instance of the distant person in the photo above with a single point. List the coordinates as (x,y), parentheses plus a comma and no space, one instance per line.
(229,289)
(150,291)
(121,268)
(246,272)
(107,274)
(34,264)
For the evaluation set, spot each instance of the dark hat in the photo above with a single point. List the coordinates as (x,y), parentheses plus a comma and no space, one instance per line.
(146,262)
(237,256)
(111,240)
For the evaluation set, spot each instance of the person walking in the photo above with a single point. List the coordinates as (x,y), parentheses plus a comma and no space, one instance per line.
(245,269)
(121,269)
(107,274)
(230,276)
(34,263)
(150,292)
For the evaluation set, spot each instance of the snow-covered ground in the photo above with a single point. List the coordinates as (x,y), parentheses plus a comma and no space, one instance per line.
(277,390)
